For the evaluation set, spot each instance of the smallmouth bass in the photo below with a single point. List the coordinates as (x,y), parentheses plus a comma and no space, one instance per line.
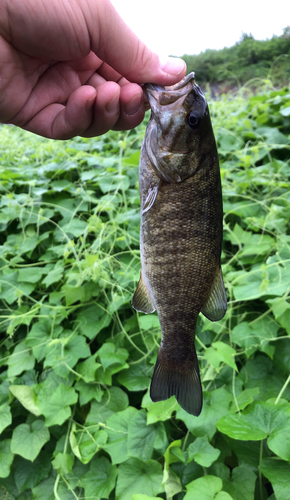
(180,235)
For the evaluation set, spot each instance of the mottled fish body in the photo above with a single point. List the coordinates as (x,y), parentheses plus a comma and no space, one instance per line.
(181,234)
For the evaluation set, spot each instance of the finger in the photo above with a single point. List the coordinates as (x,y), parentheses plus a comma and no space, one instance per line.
(132,107)
(58,121)
(114,42)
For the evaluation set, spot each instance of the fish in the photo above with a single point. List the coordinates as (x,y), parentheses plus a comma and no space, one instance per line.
(180,234)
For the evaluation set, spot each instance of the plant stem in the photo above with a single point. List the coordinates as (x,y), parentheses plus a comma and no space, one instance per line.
(282,390)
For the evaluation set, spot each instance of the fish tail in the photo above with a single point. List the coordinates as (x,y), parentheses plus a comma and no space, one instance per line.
(184,384)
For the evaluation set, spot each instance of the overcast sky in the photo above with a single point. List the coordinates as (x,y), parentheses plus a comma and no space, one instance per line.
(190,26)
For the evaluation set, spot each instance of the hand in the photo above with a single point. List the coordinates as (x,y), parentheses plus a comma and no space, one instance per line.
(73,67)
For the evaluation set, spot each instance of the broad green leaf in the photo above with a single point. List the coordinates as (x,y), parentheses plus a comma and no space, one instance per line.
(173,453)
(113,183)
(92,320)
(205,488)
(241,484)
(88,391)
(157,412)
(259,421)
(114,400)
(63,353)
(109,354)
(244,399)
(5,417)
(215,405)
(278,473)
(99,481)
(87,369)
(171,483)
(117,426)
(11,289)
(29,474)
(27,440)
(139,496)
(136,476)
(141,437)
(21,359)
(221,352)
(75,227)
(149,322)
(38,337)
(63,463)
(135,378)
(202,452)
(56,406)
(25,395)
(6,457)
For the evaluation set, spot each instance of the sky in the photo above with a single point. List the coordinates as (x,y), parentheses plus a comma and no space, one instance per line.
(190,26)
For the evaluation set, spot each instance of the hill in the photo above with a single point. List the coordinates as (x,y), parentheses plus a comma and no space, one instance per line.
(248,59)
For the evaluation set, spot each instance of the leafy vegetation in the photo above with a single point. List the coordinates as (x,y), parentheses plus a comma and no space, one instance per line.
(246,60)
(76,419)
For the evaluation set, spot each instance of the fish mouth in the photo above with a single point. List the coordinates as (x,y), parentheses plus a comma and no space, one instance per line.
(170,94)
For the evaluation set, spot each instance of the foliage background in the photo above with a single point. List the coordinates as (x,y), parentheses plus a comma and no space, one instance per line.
(76,420)
(244,62)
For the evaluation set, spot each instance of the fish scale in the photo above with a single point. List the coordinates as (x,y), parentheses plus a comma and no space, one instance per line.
(180,235)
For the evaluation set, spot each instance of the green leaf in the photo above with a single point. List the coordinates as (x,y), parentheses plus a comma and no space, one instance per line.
(117,429)
(114,400)
(202,452)
(244,399)
(215,405)
(278,473)
(5,417)
(56,406)
(173,453)
(221,352)
(63,354)
(135,378)
(6,457)
(11,289)
(75,227)
(29,474)
(99,481)
(141,437)
(157,412)
(63,463)
(139,496)
(24,394)
(136,476)
(92,320)
(27,440)
(205,488)
(114,183)
(21,359)
(241,485)
(259,421)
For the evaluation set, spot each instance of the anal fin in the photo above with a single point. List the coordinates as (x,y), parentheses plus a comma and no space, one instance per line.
(141,300)
(216,305)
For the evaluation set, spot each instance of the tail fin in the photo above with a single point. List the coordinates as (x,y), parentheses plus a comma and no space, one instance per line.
(184,385)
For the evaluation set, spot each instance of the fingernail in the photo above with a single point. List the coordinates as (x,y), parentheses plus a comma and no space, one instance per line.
(113,104)
(132,106)
(172,66)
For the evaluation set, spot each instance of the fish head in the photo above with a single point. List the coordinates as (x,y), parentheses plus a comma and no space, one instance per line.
(179,136)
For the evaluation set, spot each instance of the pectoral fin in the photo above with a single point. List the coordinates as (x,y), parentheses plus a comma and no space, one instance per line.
(216,306)
(141,299)
(151,197)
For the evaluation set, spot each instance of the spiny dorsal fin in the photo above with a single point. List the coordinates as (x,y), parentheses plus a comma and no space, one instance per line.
(151,197)
(216,306)
(141,299)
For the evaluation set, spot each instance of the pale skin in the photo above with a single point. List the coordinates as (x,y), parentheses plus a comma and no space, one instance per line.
(73,67)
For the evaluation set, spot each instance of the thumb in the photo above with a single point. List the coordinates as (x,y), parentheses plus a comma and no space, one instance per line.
(116,44)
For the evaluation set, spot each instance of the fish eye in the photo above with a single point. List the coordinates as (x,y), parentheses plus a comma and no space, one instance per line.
(194,119)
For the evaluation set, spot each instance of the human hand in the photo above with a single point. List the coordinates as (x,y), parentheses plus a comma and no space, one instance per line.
(73,67)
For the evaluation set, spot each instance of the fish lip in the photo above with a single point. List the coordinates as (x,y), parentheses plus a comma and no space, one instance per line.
(152,87)
(169,94)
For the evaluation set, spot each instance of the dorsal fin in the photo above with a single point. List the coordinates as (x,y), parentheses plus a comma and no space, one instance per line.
(216,305)
(141,300)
